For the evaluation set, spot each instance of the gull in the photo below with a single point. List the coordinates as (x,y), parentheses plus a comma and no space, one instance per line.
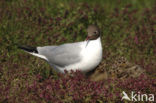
(83,56)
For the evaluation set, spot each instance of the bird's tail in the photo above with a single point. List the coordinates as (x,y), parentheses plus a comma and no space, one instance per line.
(32,50)
(28,49)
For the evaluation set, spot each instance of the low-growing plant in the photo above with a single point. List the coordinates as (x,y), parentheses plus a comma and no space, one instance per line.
(128,29)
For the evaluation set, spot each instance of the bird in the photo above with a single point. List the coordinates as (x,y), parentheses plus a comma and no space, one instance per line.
(83,56)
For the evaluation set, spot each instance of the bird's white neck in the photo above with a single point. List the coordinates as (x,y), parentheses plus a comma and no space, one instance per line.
(93,43)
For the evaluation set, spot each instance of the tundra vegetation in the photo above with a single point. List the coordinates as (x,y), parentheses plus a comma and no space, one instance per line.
(128,30)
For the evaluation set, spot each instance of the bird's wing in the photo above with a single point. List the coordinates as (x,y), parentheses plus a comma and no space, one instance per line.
(62,55)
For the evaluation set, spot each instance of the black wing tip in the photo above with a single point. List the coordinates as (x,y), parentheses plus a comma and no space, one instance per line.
(28,49)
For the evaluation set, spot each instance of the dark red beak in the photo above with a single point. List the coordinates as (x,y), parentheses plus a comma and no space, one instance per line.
(87,38)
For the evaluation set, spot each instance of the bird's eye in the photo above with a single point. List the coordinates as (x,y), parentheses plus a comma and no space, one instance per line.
(96,32)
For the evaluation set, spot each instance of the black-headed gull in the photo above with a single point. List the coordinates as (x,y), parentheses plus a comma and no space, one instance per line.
(83,56)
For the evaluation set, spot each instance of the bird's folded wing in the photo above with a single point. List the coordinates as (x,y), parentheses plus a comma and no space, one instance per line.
(62,55)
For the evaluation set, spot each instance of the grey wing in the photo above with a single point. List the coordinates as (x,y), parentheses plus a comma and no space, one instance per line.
(62,55)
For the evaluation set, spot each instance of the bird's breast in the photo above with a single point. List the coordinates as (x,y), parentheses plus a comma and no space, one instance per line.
(93,52)
(92,55)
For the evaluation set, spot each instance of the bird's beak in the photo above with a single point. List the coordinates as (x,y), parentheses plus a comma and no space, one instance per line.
(87,40)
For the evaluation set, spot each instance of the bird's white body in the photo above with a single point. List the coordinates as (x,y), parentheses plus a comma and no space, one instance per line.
(83,56)
(91,56)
